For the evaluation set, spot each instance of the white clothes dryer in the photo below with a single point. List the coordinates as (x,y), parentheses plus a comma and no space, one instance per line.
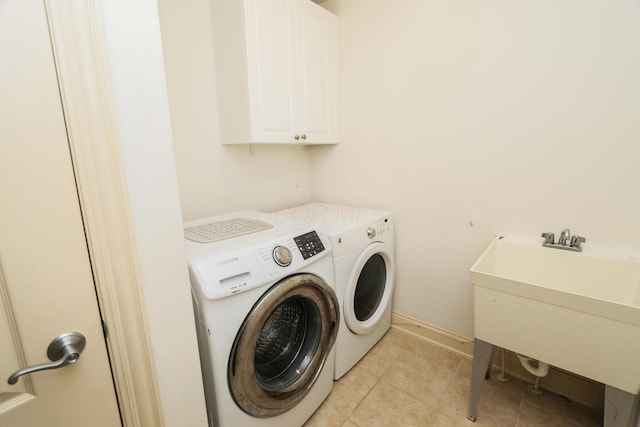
(363,245)
(267,318)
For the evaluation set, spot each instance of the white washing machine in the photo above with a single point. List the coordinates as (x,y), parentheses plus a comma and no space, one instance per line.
(363,257)
(267,318)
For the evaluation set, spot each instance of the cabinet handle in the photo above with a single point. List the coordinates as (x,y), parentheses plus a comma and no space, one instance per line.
(304,136)
(297,137)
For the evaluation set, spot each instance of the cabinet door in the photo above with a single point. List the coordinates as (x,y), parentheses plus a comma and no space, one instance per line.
(270,62)
(317,73)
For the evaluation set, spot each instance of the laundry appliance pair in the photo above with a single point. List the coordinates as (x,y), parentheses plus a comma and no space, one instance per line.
(270,306)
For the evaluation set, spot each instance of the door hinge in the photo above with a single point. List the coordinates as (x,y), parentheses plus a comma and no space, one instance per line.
(105,329)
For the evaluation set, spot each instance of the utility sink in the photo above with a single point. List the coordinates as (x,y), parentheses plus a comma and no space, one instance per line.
(579,311)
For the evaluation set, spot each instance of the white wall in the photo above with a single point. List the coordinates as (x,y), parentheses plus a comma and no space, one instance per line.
(135,59)
(524,116)
(214,178)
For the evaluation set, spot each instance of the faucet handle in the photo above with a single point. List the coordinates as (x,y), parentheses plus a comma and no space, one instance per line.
(548,237)
(576,241)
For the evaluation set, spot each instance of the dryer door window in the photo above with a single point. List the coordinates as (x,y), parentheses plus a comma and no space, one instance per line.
(369,288)
(282,345)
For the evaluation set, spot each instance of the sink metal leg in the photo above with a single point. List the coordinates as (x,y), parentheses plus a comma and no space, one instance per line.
(620,408)
(482,356)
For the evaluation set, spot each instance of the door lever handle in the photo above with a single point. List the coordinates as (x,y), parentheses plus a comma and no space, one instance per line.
(63,351)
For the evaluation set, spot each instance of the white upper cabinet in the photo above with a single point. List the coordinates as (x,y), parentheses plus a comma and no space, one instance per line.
(276,71)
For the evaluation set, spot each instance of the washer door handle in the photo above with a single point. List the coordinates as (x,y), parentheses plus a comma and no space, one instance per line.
(63,351)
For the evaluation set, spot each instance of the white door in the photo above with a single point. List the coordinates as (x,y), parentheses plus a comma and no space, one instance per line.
(46,284)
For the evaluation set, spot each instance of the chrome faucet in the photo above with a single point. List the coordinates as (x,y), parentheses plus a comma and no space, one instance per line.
(564,236)
(574,242)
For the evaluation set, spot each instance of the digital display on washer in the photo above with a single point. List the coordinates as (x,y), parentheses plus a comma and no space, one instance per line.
(309,244)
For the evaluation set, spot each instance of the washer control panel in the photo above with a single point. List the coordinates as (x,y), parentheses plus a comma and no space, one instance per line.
(222,273)
(309,244)
(379,229)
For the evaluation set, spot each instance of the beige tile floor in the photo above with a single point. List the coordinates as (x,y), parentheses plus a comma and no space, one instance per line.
(406,381)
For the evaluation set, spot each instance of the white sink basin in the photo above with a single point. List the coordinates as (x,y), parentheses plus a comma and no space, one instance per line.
(579,311)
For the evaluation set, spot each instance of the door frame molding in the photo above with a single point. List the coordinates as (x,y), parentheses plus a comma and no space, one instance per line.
(79,46)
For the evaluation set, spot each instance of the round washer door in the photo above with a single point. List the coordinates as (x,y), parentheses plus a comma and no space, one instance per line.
(369,288)
(282,345)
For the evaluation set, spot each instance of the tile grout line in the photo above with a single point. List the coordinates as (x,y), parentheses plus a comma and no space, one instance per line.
(378,379)
(441,400)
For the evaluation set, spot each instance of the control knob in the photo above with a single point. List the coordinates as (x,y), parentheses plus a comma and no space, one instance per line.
(282,256)
(371,232)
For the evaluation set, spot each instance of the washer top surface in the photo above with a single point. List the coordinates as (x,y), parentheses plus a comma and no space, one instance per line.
(335,219)
(276,230)
(225,229)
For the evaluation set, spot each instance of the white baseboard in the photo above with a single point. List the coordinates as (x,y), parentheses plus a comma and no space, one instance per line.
(450,341)
(574,387)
